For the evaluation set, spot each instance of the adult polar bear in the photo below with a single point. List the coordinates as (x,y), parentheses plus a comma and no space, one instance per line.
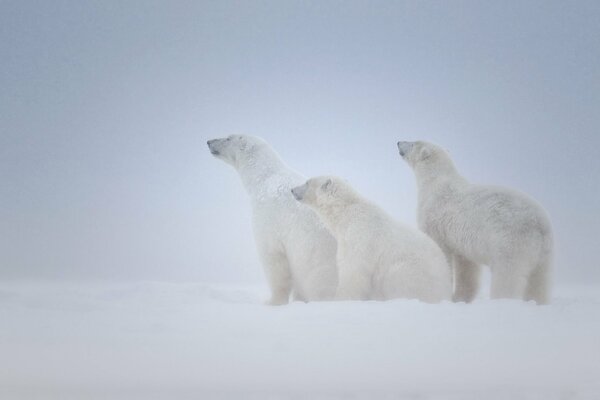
(377,257)
(476,224)
(296,250)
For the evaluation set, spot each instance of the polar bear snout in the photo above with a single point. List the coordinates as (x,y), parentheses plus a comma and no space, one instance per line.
(405,147)
(299,191)
(212,146)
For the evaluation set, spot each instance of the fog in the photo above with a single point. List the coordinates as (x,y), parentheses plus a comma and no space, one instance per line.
(105,109)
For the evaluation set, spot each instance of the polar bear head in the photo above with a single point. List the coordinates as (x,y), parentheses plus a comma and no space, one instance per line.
(323,191)
(416,152)
(428,161)
(423,154)
(237,150)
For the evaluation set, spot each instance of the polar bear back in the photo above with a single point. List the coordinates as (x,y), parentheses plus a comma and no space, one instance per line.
(485,222)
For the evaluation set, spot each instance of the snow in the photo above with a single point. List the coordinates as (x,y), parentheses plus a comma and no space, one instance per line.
(153,340)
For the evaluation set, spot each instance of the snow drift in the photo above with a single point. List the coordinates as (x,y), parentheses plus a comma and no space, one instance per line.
(183,341)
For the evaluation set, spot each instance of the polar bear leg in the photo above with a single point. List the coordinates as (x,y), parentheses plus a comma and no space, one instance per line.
(508,283)
(279,277)
(466,279)
(537,285)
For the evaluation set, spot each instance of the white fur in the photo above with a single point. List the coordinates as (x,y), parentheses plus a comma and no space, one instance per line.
(296,250)
(476,224)
(378,258)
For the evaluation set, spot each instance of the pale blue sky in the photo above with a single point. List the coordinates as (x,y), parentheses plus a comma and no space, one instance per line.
(106,107)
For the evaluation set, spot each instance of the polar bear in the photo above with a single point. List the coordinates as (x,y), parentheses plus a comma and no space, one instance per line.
(476,224)
(296,249)
(377,257)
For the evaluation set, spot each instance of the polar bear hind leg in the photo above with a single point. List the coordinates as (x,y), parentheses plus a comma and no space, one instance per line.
(466,279)
(538,284)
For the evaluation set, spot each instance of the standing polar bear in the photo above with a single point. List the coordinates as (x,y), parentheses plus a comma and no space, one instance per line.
(476,224)
(377,257)
(297,251)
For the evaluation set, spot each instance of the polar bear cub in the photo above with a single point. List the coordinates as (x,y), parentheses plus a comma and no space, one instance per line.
(296,249)
(377,257)
(476,224)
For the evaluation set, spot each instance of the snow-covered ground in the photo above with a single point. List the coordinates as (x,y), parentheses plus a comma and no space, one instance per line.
(197,341)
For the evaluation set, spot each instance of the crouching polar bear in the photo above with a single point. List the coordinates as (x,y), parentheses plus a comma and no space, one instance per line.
(296,250)
(377,258)
(476,224)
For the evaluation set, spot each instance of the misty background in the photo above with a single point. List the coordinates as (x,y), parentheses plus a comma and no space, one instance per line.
(106,106)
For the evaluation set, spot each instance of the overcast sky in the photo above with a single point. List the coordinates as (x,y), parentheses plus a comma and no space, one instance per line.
(105,109)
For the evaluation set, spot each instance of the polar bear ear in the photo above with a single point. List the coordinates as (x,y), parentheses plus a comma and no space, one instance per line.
(425,153)
(243,143)
(326,185)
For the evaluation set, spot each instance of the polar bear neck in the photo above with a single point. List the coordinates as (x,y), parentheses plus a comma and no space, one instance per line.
(433,176)
(265,174)
(336,214)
